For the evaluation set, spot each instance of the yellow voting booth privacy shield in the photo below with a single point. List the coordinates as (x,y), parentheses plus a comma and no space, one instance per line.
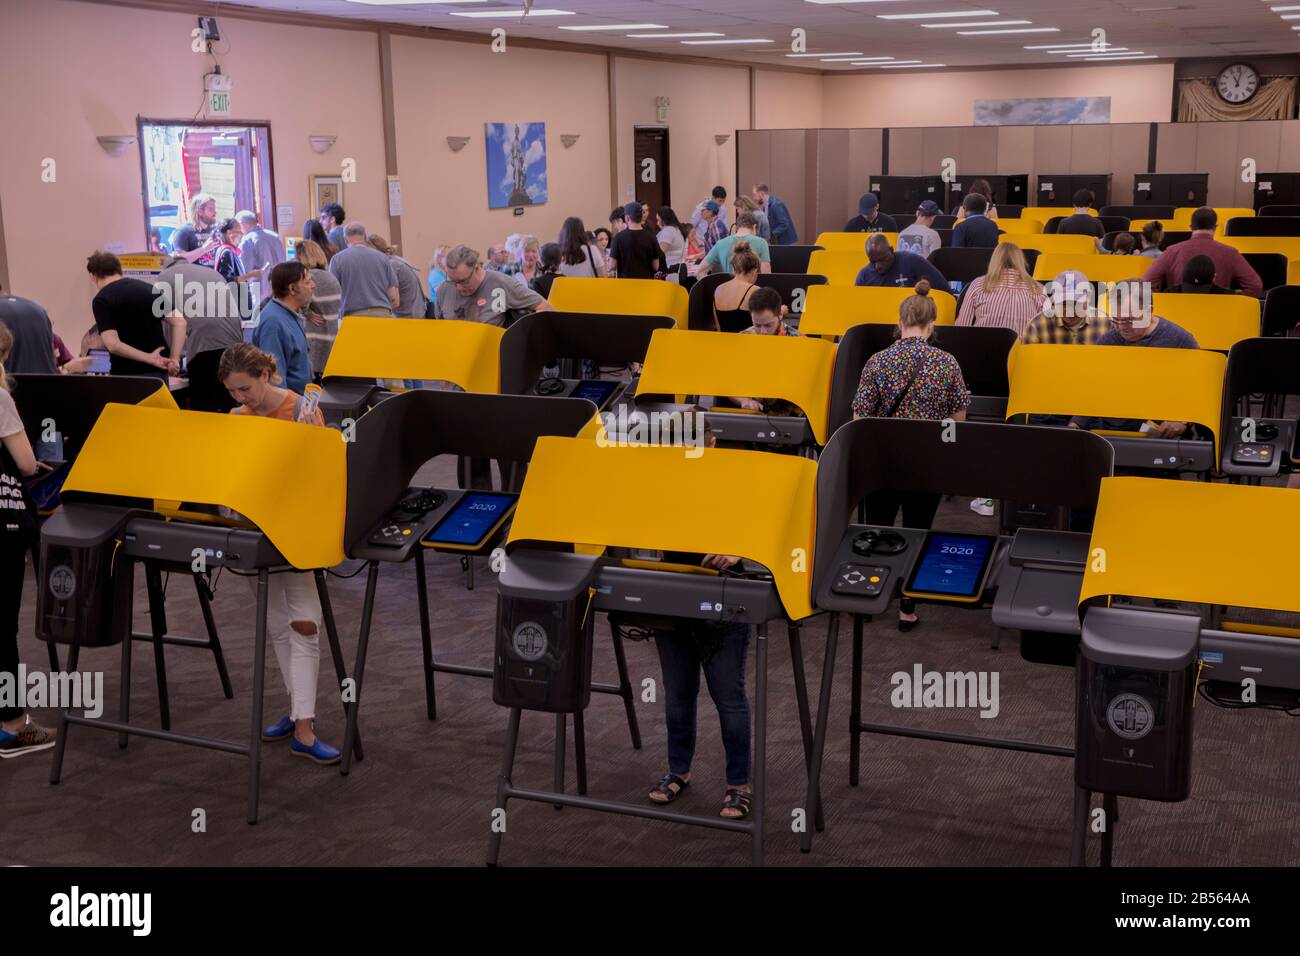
(621,297)
(1044,213)
(839,268)
(796,369)
(1080,245)
(1097,268)
(289,479)
(1113,381)
(852,241)
(1155,538)
(750,504)
(1218,322)
(833,310)
(466,353)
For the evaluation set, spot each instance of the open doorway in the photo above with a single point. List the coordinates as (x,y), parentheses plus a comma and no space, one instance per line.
(179,160)
(650,151)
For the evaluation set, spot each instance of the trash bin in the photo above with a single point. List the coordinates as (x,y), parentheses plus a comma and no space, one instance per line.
(544,631)
(1136,685)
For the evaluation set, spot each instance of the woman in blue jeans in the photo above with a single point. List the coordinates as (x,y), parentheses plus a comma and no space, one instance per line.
(719,650)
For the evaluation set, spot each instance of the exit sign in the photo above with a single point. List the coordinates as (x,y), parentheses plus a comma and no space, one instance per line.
(218,103)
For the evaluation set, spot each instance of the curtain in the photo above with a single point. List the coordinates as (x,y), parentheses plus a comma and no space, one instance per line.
(1199,102)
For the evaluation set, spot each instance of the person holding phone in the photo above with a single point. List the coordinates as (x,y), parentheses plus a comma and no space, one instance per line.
(197,240)
(250,376)
(18,535)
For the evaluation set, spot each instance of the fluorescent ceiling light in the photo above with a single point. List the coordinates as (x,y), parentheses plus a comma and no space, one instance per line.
(830,2)
(1060,46)
(984,33)
(976,23)
(872,60)
(720,42)
(666,36)
(794,56)
(396,3)
(1279,9)
(910,66)
(1107,55)
(1291,16)
(1112,59)
(1103,49)
(838,59)
(485,14)
(936,16)
(895,63)
(621,26)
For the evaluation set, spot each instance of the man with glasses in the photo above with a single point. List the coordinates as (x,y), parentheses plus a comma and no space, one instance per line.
(474,294)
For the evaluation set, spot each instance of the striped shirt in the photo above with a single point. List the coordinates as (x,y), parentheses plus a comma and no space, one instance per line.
(1007,307)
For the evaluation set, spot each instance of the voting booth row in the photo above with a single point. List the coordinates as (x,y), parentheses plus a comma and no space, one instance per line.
(213,503)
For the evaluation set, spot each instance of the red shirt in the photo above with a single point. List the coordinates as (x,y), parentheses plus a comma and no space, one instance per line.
(1229,264)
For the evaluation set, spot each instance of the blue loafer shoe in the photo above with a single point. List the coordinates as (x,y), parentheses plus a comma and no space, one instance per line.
(282,729)
(320,752)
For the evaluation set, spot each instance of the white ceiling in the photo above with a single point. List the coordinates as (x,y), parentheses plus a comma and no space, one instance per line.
(1165,28)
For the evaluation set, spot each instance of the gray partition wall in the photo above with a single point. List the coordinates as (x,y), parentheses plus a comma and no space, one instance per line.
(821,172)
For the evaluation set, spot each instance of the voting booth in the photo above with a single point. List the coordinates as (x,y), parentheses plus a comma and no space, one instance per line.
(568,557)
(149,487)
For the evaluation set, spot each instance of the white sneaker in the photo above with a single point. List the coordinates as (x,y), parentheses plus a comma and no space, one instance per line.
(982,506)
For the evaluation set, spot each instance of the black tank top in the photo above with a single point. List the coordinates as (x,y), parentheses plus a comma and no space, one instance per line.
(734,320)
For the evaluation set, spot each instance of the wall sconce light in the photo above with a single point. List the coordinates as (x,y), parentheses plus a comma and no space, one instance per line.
(721,138)
(457,143)
(320,143)
(116,145)
(568,139)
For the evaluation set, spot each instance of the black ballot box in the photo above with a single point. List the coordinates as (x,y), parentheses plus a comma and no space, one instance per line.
(84,586)
(1137,681)
(544,631)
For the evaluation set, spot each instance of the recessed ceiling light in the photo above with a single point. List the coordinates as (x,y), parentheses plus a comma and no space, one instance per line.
(666,36)
(1109,59)
(485,14)
(1099,56)
(720,42)
(976,23)
(797,55)
(985,33)
(1100,49)
(936,16)
(621,26)
(395,3)
(910,66)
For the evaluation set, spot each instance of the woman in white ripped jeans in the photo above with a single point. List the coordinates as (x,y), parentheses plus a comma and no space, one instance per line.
(294,617)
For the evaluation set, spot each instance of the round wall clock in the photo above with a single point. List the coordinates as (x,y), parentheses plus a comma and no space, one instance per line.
(1237,83)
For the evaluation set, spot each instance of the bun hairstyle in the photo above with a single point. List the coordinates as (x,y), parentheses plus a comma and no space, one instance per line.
(919,310)
(249,359)
(744,259)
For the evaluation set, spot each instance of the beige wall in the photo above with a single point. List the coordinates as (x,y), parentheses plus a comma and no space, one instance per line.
(787,100)
(444,194)
(74,71)
(706,100)
(1139,93)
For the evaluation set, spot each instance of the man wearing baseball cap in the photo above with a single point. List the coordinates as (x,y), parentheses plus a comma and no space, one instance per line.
(714,226)
(920,236)
(870,218)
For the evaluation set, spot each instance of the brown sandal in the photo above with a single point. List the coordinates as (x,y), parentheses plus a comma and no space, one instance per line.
(736,799)
(664,792)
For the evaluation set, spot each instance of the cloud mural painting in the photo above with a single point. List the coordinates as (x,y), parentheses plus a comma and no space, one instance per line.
(1047,111)
(516,164)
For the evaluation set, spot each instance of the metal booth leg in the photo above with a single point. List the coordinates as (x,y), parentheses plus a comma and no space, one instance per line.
(124,701)
(1079,830)
(819,734)
(580,752)
(855,705)
(214,642)
(363,642)
(336,650)
(426,641)
(561,726)
(158,625)
(760,742)
(625,688)
(259,686)
(503,781)
(805,715)
(1110,809)
(61,738)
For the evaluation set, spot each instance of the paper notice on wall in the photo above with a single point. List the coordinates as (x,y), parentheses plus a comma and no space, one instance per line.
(217,178)
(394,196)
(284,217)
(1144,187)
